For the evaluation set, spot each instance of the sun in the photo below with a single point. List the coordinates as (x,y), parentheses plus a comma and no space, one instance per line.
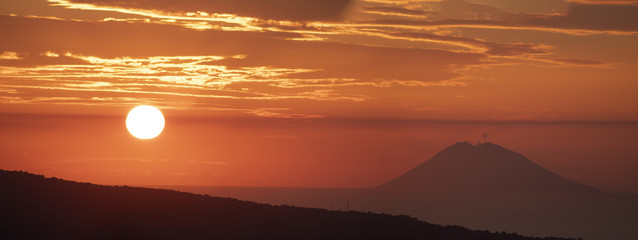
(145,122)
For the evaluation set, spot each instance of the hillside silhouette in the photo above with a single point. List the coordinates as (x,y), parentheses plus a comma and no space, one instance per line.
(35,207)
(483,167)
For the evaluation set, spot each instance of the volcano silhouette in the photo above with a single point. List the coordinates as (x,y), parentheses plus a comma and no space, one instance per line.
(483,167)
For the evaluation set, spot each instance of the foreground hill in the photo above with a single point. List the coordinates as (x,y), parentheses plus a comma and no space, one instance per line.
(35,207)
(483,167)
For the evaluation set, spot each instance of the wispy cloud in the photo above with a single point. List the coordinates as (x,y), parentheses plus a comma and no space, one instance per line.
(196,20)
(276,113)
(9,56)
(294,10)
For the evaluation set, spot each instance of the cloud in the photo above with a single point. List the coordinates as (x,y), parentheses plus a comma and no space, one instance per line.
(145,60)
(594,16)
(343,60)
(577,62)
(446,10)
(33,59)
(262,74)
(369,63)
(160,75)
(54,100)
(50,54)
(397,11)
(293,10)
(602,17)
(276,113)
(491,48)
(459,9)
(114,39)
(9,56)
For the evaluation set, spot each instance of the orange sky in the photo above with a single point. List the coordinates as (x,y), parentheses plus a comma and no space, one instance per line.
(81,63)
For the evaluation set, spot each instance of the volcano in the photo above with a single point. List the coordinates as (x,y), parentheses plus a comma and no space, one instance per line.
(482,167)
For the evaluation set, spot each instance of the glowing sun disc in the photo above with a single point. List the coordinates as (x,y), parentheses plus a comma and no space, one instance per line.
(145,122)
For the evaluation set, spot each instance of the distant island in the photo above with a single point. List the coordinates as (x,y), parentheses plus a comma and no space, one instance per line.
(35,207)
(483,167)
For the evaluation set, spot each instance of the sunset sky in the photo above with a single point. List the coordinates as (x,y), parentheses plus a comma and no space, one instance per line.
(320,93)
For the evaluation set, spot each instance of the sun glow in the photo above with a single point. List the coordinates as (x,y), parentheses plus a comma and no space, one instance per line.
(145,122)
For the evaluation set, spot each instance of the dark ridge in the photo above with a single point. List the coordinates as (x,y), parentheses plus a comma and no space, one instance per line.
(35,207)
(483,167)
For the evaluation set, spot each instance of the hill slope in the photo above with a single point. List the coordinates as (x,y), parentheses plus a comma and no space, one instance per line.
(35,207)
(484,167)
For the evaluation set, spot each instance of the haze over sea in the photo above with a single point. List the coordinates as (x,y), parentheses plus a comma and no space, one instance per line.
(317,153)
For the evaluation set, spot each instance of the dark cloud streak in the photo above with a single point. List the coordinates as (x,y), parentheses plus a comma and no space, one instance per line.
(594,16)
(602,17)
